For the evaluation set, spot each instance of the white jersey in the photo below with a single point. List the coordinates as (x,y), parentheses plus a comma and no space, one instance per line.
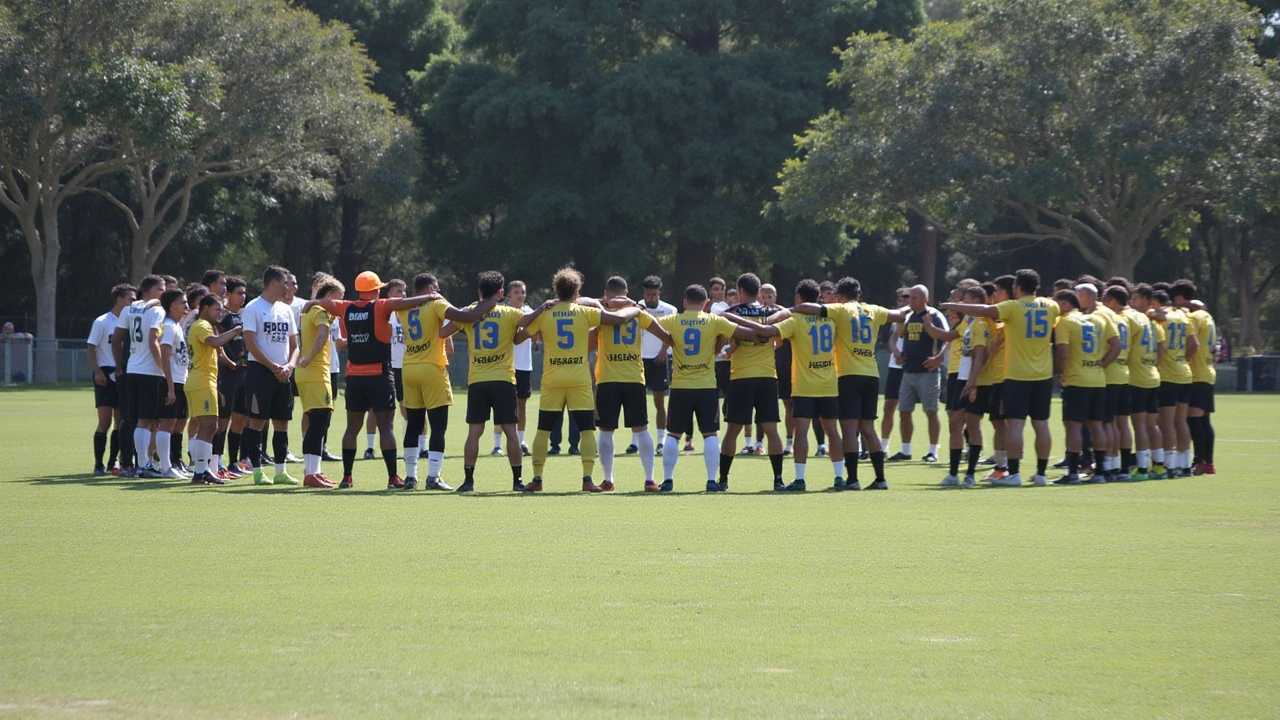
(296,307)
(894,364)
(397,343)
(174,337)
(138,320)
(104,326)
(966,338)
(524,351)
(335,332)
(272,325)
(650,345)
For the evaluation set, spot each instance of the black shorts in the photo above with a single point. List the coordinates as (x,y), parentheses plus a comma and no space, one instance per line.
(688,403)
(893,383)
(106,395)
(722,377)
(954,385)
(524,384)
(148,396)
(1202,396)
(1083,404)
(293,385)
(1144,400)
(628,399)
(231,386)
(784,382)
(859,395)
(334,377)
(815,408)
(178,410)
(1027,398)
(656,376)
(1116,402)
(749,397)
(1173,393)
(497,396)
(376,393)
(981,403)
(266,398)
(397,379)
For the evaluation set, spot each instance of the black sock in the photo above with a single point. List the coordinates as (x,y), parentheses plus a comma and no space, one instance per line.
(1099,461)
(726,461)
(469,472)
(975,452)
(126,445)
(389,459)
(99,448)
(776,462)
(249,441)
(877,464)
(1042,466)
(955,460)
(1073,462)
(348,461)
(516,472)
(1127,459)
(1197,441)
(280,446)
(175,448)
(1015,465)
(233,446)
(1209,439)
(115,447)
(263,441)
(219,442)
(851,465)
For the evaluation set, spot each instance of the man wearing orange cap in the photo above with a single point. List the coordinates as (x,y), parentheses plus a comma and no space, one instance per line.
(370,386)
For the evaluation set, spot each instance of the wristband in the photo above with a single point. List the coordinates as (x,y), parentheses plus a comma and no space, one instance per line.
(823,311)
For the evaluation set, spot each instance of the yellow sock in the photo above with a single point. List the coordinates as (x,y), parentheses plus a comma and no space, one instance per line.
(541,443)
(587,444)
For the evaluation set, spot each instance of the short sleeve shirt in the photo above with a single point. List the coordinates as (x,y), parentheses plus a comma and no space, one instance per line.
(1028,321)
(693,338)
(174,338)
(316,323)
(202,362)
(1202,368)
(620,347)
(100,338)
(813,365)
(857,326)
(566,329)
(490,346)
(751,358)
(272,325)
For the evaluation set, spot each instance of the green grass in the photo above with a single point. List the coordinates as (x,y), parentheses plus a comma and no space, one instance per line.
(136,598)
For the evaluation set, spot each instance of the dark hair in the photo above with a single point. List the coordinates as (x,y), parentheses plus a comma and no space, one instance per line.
(149,283)
(122,290)
(396,283)
(1070,296)
(566,282)
(327,287)
(1063,284)
(695,293)
(651,282)
(1119,293)
(809,290)
(849,287)
(1160,296)
(273,273)
(235,282)
(827,286)
(209,299)
(211,276)
(1027,280)
(169,297)
(616,284)
(195,292)
(1005,283)
(716,281)
(1161,286)
(1087,279)
(989,288)
(749,283)
(1184,289)
(975,292)
(170,281)
(422,281)
(1144,290)
(490,282)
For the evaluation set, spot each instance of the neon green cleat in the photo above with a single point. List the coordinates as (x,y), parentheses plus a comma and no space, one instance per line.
(1139,475)
(260,478)
(285,478)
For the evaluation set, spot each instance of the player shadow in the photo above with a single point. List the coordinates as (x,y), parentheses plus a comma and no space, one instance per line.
(106,481)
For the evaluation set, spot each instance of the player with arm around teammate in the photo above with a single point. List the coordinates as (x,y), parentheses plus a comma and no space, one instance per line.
(202,386)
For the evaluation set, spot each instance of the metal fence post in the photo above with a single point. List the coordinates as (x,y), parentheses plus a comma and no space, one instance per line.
(31,362)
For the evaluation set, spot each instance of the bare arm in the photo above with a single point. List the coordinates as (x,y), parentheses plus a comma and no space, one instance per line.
(617,317)
(117,349)
(218,341)
(166,368)
(1061,356)
(153,345)
(1113,351)
(99,378)
(316,348)
(987,311)
(978,358)
(474,315)
(407,303)
(528,319)
(661,333)
(1193,346)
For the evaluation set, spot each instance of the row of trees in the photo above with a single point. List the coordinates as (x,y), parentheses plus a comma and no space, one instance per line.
(639,136)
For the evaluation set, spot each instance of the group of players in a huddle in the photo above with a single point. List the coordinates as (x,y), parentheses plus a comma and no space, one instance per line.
(1134,362)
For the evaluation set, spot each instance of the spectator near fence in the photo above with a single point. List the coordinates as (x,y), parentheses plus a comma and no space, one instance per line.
(16,349)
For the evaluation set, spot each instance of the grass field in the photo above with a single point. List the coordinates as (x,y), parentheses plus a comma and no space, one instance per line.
(136,598)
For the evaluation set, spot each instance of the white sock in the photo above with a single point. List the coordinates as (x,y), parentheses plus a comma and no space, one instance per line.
(711,456)
(198,462)
(788,445)
(435,463)
(1114,462)
(1144,459)
(933,449)
(604,445)
(307,464)
(1171,457)
(1002,458)
(838,466)
(497,439)
(635,438)
(422,444)
(520,434)
(217,461)
(645,444)
(369,437)
(670,454)
(906,448)
(411,462)
(800,471)
(884,445)
(279,468)
(1157,454)
(163,443)
(1184,459)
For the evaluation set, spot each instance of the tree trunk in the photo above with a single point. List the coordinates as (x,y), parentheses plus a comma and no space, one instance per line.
(695,264)
(44,271)
(317,234)
(349,258)
(929,257)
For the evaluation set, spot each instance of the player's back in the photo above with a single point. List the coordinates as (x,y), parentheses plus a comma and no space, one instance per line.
(565,328)
(1028,352)
(490,346)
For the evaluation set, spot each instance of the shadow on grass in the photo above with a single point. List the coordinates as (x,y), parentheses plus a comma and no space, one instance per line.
(108,481)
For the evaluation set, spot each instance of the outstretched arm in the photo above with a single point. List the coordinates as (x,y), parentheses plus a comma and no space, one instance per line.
(405,303)
(617,317)
(218,341)
(987,311)
(528,319)
(474,315)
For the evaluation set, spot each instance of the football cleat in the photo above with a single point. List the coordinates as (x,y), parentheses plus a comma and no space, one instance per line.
(285,478)
(316,481)
(929,458)
(525,451)
(466,487)
(212,479)
(968,481)
(1039,480)
(996,475)
(260,478)
(395,483)
(713,486)
(516,486)
(173,473)
(822,451)
(1060,465)
(1205,468)
(589,486)
(99,470)
(534,485)
(606,486)
(879,484)
(688,446)
(435,483)
(1006,480)
(632,449)
(852,485)
(796,485)
(747,450)
(329,457)
(410,483)
(289,457)
(838,484)
(496,452)
(1071,479)
(899,457)
(368,454)
(346,483)
(667,485)
(950,481)
(1139,474)
(650,486)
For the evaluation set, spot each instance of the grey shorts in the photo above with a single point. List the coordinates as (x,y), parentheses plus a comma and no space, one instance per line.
(923,388)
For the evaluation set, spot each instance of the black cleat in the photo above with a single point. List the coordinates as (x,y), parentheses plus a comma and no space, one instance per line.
(852,485)
(796,486)
(899,457)
(410,483)
(778,485)
(435,483)
(879,484)
(667,486)
(632,449)
(466,487)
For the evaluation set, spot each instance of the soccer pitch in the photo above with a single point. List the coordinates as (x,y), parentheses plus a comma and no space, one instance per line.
(147,598)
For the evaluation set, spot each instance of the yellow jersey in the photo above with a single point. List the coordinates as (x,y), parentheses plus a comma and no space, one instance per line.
(957,349)
(619,359)
(489,345)
(1202,364)
(202,358)
(1144,350)
(315,322)
(813,365)
(1082,334)
(857,327)
(1175,368)
(1028,349)
(752,359)
(693,337)
(565,329)
(987,333)
(421,327)
(1118,371)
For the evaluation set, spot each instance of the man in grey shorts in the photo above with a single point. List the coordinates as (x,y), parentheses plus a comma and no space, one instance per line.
(921,357)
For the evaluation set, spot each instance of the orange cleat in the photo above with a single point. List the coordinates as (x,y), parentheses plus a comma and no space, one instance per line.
(650,486)
(606,486)
(588,486)
(316,481)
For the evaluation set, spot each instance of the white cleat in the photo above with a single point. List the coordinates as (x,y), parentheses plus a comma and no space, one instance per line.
(174,473)
(1014,480)
(969,481)
(1039,480)
(950,481)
